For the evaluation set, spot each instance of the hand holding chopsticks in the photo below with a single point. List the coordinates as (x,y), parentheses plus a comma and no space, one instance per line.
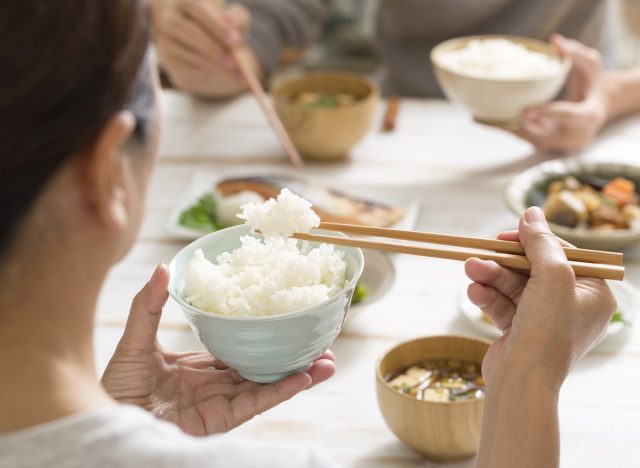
(589,263)
(211,19)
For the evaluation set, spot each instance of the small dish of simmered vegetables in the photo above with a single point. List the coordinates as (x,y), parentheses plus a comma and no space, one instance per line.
(591,205)
(592,202)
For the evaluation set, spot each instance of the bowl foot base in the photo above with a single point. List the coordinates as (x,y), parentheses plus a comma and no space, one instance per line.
(512,124)
(272,377)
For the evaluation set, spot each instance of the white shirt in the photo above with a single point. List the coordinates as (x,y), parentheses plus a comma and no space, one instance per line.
(127,436)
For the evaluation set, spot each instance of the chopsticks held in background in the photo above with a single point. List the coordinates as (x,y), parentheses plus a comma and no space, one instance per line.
(267,109)
(588,263)
(264,103)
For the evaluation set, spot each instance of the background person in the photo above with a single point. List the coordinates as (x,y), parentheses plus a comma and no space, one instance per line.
(194,38)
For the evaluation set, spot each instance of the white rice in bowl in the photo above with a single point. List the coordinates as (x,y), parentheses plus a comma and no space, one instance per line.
(500,59)
(270,276)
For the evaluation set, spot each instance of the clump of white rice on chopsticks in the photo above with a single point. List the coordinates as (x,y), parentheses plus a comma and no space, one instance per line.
(272,275)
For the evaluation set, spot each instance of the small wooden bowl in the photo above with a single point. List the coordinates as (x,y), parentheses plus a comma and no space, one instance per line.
(326,133)
(443,432)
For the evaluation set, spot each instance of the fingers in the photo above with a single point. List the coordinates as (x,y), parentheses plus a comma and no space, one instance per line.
(585,59)
(548,261)
(212,20)
(551,137)
(496,305)
(186,34)
(328,354)
(559,114)
(507,282)
(514,236)
(175,53)
(254,398)
(258,399)
(544,136)
(146,311)
(239,17)
(321,370)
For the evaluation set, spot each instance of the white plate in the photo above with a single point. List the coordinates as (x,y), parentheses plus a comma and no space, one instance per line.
(624,292)
(405,197)
(378,276)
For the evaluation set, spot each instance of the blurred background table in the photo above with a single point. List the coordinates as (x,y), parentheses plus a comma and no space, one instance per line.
(462,169)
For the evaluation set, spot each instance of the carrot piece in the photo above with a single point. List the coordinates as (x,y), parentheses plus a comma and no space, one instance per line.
(620,190)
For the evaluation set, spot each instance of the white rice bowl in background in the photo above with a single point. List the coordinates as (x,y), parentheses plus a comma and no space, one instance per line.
(272,275)
(500,59)
(497,77)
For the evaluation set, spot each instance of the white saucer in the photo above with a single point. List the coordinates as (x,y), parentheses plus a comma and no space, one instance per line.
(624,292)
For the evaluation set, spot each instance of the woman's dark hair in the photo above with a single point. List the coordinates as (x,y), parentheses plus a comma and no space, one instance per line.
(67,66)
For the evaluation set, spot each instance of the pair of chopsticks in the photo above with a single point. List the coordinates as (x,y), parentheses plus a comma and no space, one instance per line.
(586,263)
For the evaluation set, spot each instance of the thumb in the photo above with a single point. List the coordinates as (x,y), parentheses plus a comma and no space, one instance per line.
(585,59)
(146,310)
(543,250)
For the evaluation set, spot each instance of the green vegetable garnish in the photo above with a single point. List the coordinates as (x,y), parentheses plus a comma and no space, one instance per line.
(201,215)
(324,101)
(359,294)
(618,317)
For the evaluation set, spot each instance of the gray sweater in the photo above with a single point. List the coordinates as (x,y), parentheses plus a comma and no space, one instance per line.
(407,30)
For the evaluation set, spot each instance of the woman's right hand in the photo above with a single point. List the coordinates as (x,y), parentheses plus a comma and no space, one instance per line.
(194,39)
(549,319)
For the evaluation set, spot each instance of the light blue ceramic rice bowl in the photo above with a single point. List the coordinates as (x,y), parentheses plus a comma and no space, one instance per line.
(267,348)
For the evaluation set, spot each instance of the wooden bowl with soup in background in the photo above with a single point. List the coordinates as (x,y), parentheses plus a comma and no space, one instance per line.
(326,113)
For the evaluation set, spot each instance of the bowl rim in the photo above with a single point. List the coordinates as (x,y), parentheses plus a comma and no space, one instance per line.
(520,185)
(374,89)
(381,380)
(565,62)
(175,294)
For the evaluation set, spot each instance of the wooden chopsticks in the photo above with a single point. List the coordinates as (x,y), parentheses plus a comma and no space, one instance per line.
(580,255)
(588,263)
(267,109)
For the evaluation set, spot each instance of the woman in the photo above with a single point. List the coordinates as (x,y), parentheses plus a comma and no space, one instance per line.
(77,145)
(78,139)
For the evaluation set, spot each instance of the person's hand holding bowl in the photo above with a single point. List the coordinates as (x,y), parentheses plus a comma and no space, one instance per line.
(193,390)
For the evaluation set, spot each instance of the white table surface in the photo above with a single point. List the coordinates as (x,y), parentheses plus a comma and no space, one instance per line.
(462,168)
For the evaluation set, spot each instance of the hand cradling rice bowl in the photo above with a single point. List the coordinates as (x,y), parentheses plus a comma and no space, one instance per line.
(272,275)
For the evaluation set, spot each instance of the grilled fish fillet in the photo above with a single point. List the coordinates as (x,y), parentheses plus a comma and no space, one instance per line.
(331,205)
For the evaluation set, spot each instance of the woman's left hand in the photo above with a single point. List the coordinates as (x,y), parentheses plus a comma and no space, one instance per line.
(193,390)
(571,124)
